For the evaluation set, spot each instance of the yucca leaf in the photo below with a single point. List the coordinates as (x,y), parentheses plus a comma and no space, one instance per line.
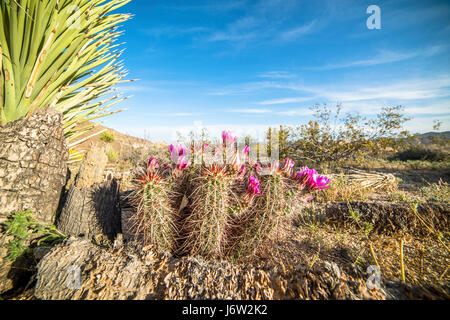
(60,53)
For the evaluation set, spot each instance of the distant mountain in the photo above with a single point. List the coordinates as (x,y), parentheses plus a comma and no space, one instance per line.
(427,138)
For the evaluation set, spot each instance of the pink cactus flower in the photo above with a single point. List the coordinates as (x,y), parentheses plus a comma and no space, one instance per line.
(242,172)
(275,167)
(236,161)
(179,155)
(320,182)
(182,164)
(258,168)
(228,138)
(152,163)
(311,179)
(253,188)
(306,199)
(288,165)
(245,153)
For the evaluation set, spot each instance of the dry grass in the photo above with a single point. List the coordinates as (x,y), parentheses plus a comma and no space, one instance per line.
(342,188)
(309,240)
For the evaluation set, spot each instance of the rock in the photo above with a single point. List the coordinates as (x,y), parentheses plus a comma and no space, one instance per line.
(77,269)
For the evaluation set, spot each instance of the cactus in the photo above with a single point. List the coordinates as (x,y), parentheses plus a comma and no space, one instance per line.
(154,200)
(229,209)
(208,221)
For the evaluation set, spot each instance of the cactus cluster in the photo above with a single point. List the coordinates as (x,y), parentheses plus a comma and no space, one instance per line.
(232,206)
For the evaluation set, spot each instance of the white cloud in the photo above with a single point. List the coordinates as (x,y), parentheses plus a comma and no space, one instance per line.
(251,110)
(169,134)
(277,75)
(171,31)
(383,57)
(239,30)
(298,31)
(402,90)
(285,100)
(296,112)
(425,124)
(183,114)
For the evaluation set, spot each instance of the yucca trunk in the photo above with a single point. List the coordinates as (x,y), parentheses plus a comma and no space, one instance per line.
(33,167)
(33,155)
(91,208)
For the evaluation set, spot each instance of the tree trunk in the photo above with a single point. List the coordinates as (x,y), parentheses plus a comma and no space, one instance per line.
(128,210)
(92,205)
(90,212)
(33,168)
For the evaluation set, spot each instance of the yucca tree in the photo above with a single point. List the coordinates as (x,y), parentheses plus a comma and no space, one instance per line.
(62,54)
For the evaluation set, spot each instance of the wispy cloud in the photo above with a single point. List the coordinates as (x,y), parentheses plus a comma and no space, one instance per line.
(285,100)
(277,75)
(383,57)
(214,7)
(264,22)
(171,31)
(239,30)
(252,111)
(245,88)
(297,32)
(400,90)
(296,112)
(183,114)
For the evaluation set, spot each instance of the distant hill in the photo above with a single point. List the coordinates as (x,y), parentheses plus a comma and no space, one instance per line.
(120,139)
(427,138)
(126,146)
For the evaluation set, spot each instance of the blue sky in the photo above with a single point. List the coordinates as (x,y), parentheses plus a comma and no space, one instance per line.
(249,64)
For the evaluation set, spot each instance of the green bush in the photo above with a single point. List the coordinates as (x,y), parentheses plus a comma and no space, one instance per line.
(333,137)
(107,137)
(24,229)
(113,155)
(420,153)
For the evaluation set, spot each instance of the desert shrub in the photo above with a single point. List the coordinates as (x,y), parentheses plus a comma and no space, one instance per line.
(333,137)
(422,153)
(357,185)
(342,189)
(107,137)
(113,156)
(436,192)
(24,228)
(232,206)
(396,196)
